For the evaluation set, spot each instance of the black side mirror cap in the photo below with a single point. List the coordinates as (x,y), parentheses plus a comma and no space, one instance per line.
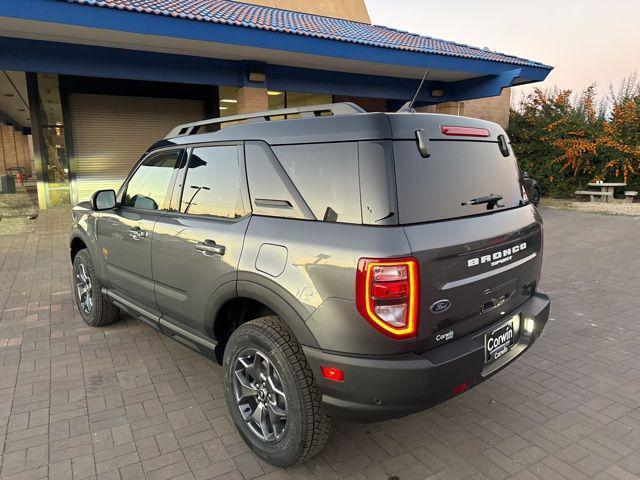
(103,200)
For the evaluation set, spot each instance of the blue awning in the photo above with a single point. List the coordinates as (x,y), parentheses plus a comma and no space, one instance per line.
(217,41)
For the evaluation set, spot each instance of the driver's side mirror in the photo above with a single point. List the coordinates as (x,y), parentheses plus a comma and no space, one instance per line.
(525,174)
(103,200)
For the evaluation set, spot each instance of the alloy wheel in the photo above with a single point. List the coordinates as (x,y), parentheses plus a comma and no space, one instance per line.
(260,396)
(83,288)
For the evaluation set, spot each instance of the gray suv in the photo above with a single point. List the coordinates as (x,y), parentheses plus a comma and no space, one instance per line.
(338,264)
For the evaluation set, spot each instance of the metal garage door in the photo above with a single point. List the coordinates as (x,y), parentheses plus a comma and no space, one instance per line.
(110,133)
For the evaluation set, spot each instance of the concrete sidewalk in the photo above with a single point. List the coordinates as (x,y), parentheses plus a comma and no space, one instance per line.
(124,402)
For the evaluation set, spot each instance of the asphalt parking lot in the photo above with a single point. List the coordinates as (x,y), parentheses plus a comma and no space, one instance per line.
(124,402)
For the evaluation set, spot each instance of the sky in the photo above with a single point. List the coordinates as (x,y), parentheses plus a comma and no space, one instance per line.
(587,41)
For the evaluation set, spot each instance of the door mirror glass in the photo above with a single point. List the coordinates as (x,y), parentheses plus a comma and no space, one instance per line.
(103,200)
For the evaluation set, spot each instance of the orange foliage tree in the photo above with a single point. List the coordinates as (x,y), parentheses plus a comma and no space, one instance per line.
(565,140)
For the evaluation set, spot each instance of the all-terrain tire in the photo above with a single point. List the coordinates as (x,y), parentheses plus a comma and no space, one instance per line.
(308,427)
(103,311)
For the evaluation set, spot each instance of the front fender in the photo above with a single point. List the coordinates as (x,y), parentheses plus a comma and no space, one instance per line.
(85,229)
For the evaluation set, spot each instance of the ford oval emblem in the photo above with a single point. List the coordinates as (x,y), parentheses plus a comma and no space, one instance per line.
(440,306)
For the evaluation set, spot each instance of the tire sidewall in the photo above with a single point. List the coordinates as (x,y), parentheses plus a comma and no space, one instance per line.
(286,450)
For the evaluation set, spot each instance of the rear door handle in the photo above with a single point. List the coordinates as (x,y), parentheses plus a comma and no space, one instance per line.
(210,248)
(136,233)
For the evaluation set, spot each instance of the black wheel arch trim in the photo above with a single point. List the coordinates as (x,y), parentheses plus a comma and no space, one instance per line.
(90,247)
(287,313)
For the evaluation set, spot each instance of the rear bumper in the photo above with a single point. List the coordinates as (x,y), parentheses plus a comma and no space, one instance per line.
(378,388)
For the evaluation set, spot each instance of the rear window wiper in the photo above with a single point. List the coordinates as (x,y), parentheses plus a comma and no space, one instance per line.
(491,201)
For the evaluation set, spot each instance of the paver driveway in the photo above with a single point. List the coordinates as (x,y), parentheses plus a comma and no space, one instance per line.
(125,402)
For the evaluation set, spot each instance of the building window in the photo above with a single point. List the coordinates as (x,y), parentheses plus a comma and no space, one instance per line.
(278,100)
(50,134)
(228,101)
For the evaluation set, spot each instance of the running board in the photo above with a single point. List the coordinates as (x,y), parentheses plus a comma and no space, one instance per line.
(191,340)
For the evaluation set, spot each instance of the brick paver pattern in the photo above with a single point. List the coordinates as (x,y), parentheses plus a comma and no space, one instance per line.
(125,402)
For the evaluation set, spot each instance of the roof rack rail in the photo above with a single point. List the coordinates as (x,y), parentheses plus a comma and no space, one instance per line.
(344,108)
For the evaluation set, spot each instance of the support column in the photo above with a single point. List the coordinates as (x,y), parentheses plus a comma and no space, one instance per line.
(252,99)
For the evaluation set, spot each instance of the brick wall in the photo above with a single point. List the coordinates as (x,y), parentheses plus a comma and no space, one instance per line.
(14,150)
(348,9)
(9,146)
(494,109)
(24,160)
(27,154)
(252,100)
(3,165)
(369,104)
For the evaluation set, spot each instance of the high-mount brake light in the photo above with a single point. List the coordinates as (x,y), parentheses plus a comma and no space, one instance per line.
(387,295)
(464,131)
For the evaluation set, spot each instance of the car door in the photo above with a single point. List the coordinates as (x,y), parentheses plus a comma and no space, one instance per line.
(196,249)
(125,234)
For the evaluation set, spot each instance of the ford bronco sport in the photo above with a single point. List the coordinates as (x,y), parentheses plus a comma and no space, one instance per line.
(337,263)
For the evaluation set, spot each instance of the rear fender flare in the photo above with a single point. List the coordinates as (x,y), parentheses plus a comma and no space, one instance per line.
(282,308)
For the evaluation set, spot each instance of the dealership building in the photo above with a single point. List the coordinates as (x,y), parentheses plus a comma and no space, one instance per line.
(86,85)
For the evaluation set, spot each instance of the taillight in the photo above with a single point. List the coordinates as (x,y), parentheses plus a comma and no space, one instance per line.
(464,131)
(387,295)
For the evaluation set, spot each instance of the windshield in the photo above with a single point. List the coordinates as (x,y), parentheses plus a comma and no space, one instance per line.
(459,179)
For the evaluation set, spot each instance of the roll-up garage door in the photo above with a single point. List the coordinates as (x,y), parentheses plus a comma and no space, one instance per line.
(110,133)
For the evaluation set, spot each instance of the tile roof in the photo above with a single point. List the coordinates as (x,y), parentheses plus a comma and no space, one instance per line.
(266,18)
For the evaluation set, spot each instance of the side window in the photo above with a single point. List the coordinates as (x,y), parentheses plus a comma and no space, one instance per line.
(272,193)
(327,177)
(213,183)
(147,189)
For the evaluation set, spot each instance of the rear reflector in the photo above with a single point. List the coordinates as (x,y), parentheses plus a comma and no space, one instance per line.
(332,373)
(464,131)
(387,292)
(463,387)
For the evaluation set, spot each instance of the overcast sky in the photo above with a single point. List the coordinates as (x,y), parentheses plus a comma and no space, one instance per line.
(587,41)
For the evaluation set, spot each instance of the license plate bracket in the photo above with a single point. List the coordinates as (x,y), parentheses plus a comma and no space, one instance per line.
(499,341)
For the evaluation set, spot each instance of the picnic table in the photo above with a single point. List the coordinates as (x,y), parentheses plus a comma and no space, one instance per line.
(606,191)
(607,188)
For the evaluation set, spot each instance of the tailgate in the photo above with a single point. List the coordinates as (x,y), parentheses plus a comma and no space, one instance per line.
(473,270)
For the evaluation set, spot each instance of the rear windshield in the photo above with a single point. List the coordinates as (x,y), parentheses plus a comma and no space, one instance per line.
(457,172)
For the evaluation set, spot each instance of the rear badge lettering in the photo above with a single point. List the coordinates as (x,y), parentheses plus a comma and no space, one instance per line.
(497,258)
(440,306)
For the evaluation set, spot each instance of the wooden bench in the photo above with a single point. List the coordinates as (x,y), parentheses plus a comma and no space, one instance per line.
(593,195)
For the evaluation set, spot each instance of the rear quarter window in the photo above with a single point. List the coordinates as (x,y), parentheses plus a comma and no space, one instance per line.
(326,175)
(435,188)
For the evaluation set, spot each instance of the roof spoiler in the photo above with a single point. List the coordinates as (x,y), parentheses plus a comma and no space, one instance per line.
(345,108)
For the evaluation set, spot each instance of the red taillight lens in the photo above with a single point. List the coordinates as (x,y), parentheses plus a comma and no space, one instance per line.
(387,295)
(332,373)
(464,131)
